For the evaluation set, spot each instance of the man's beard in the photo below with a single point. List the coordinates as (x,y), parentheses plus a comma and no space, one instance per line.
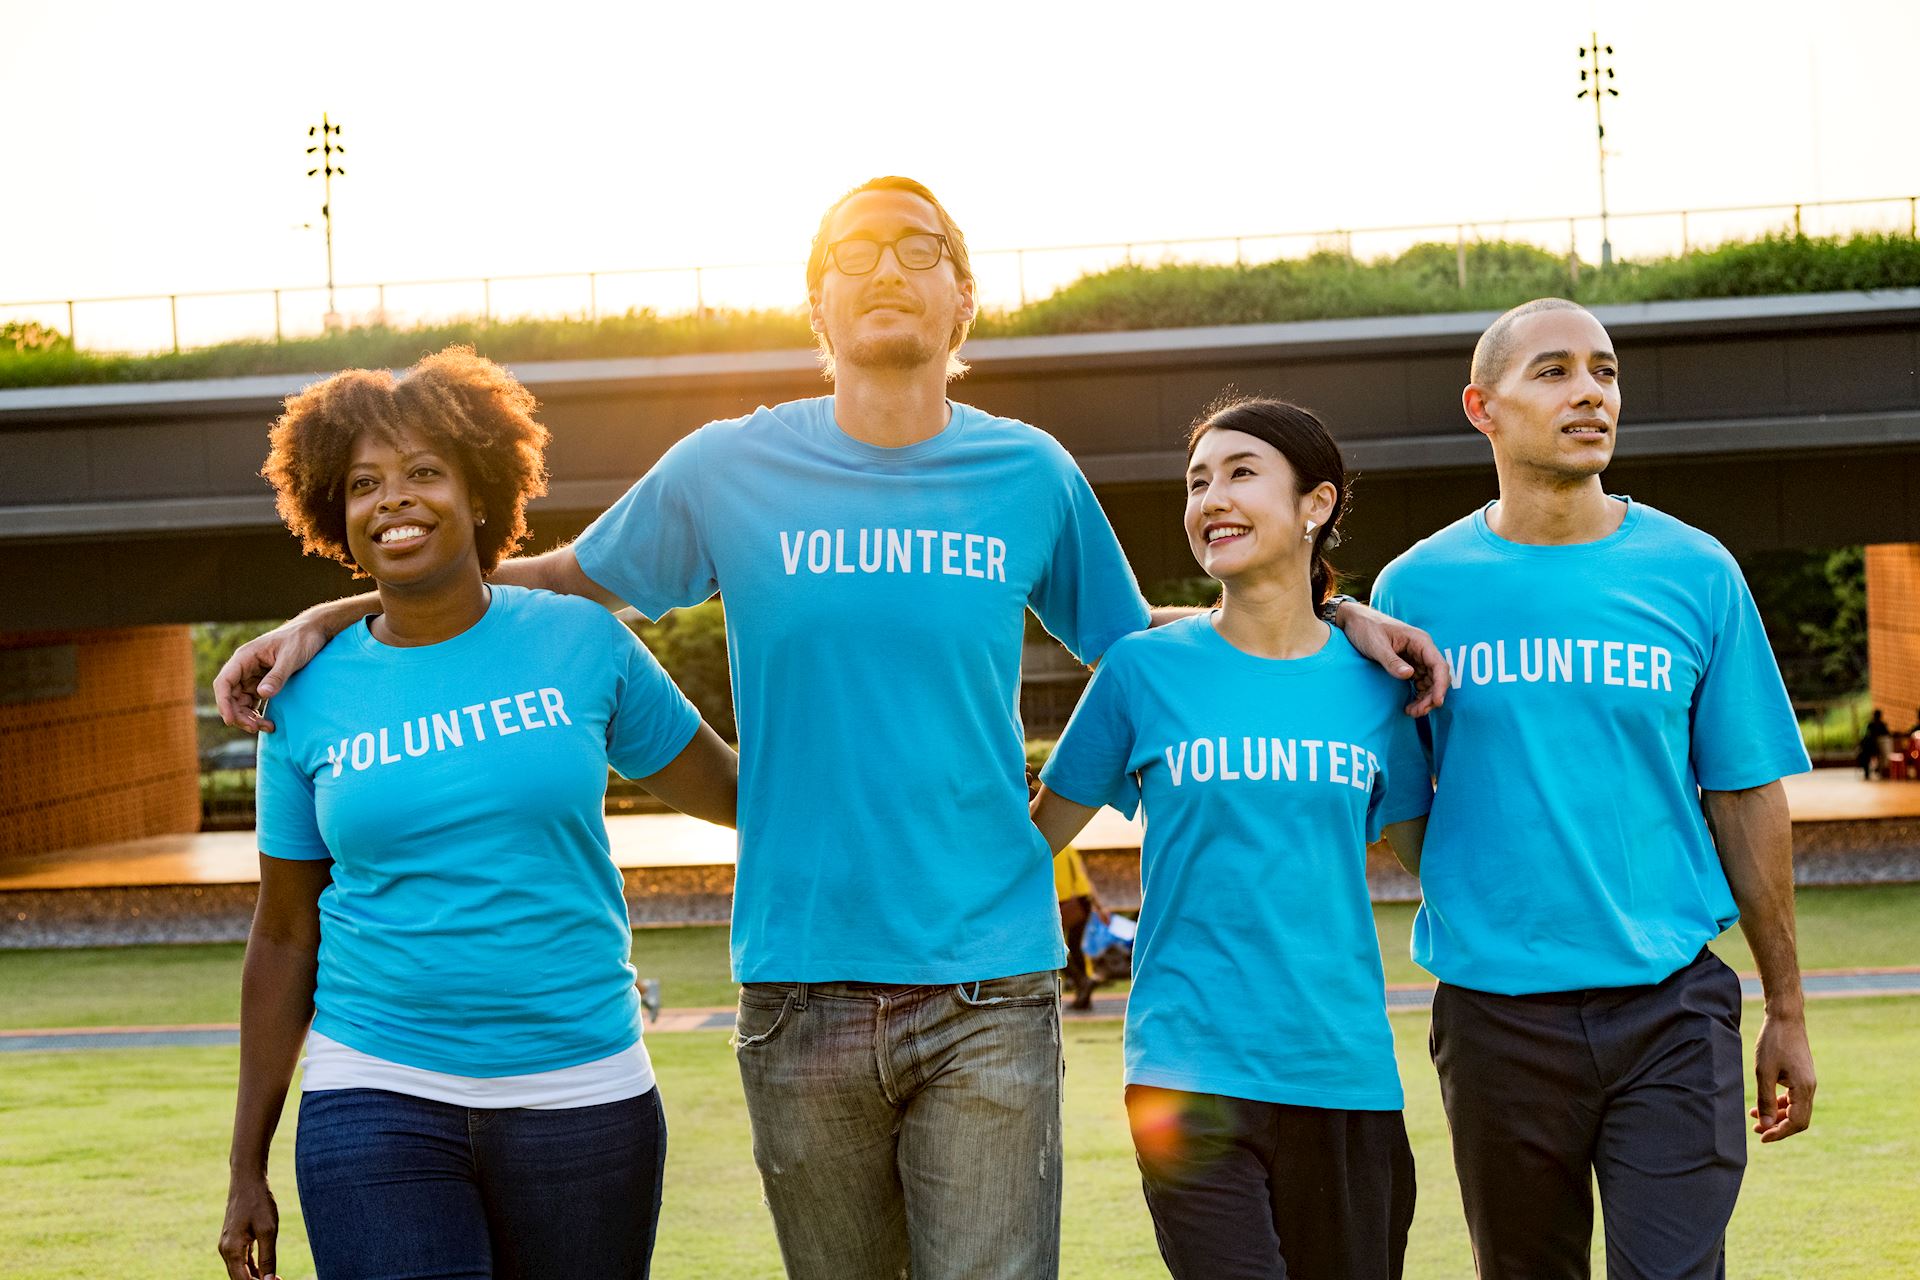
(892,351)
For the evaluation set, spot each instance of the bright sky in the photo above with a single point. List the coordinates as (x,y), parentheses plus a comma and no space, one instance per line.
(154,147)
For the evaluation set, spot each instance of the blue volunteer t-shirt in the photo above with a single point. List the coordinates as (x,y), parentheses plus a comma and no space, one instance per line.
(1597,688)
(1256,970)
(475,924)
(875,602)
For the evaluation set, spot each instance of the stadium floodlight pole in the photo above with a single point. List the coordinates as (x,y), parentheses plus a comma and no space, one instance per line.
(1601,87)
(327,147)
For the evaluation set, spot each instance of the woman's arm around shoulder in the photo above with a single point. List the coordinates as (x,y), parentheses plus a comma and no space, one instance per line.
(703,781)
(1059,818)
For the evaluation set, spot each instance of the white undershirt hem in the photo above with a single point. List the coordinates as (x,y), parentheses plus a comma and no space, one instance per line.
(328,1064)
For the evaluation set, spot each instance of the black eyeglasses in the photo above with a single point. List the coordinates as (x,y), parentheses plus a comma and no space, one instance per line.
(915,251)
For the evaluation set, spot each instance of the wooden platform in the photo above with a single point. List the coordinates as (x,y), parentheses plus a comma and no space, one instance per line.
(639,841)
(676,871)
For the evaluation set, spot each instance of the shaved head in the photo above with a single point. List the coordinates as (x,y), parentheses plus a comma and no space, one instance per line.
(1494,352)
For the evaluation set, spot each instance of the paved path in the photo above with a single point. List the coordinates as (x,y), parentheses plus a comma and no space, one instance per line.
(1823,985)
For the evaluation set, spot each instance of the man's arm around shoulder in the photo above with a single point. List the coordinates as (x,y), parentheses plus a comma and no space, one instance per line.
(261,667)
(557,571)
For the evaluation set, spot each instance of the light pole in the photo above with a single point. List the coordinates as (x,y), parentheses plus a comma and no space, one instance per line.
(327,148)
(1598,80)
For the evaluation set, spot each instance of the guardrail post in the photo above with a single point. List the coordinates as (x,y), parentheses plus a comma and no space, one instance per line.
(1686,245)
(699,296)
(173,313)
(1460,254)
(1239,259)
(593,296)
(486,301)
(73,339)
(382,304)
(1912,229)
(1573,252)
(1020,266)
(1796,222)
(276,317)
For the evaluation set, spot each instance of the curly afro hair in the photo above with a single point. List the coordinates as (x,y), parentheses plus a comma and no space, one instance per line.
(462,402)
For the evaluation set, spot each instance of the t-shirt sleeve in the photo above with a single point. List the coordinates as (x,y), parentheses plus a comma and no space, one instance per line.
(1089,763)
(1407,781)
(652,720)
(650,548)
(1086,596)
(1383,595)
(286,820)
(1744,731)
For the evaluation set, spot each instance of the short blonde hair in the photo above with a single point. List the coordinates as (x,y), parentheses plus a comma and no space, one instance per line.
(956,253)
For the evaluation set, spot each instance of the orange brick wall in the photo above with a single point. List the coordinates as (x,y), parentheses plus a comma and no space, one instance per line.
(1893,630)
(115,760)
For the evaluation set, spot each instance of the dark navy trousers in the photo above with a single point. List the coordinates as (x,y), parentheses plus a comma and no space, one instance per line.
(394,1187)
(1640,1089)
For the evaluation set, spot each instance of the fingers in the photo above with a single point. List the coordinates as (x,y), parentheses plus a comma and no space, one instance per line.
(229,694)
(1767,1108)
(267,1248)
(236,1251)
(1438,674)
(1791,1113)
(1781,1115)
(238,689)
(1436,677)
(1800,1114)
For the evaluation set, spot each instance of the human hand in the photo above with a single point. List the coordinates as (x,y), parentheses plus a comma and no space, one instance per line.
(251,1232)
(1783,1057)
(1404,652)
(260,668)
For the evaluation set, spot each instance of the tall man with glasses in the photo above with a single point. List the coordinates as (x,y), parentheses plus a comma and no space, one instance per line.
(1608,801)
(894,921)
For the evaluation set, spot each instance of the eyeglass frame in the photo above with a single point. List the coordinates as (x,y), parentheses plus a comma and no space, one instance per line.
(882,247)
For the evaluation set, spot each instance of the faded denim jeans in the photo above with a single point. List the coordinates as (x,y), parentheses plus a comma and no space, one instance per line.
(907,1130)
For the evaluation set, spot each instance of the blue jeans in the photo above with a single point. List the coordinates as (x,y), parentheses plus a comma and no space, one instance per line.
(906,1129)
(401,1188)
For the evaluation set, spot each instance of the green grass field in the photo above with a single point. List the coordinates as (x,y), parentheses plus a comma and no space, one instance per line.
(1840,928)
(112,1163)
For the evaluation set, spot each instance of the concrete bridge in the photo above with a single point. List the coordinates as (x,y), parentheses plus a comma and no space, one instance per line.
(1772,422)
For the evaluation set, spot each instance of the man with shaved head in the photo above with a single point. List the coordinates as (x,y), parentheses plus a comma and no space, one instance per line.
(1612,681)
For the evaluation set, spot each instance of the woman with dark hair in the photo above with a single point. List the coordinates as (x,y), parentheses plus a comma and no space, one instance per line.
(440,921)
(1262,1089)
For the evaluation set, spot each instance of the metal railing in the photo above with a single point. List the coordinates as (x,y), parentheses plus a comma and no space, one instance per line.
(1008,277)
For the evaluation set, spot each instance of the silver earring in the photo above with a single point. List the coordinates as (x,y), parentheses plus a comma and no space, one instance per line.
(1309,537)
(478,521)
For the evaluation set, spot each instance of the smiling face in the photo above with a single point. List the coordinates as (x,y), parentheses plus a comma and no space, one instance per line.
(1245,512)
(890,318)
(410,517)
(1555,408)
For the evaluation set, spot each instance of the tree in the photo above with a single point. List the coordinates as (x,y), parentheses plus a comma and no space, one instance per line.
(692,645)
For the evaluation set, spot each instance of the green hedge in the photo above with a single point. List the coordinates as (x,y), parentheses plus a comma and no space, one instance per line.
(1422,280)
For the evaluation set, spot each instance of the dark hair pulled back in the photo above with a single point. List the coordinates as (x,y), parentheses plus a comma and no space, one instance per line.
(1302,439)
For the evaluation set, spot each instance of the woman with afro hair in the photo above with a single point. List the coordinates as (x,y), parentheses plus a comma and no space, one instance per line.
(440,923)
